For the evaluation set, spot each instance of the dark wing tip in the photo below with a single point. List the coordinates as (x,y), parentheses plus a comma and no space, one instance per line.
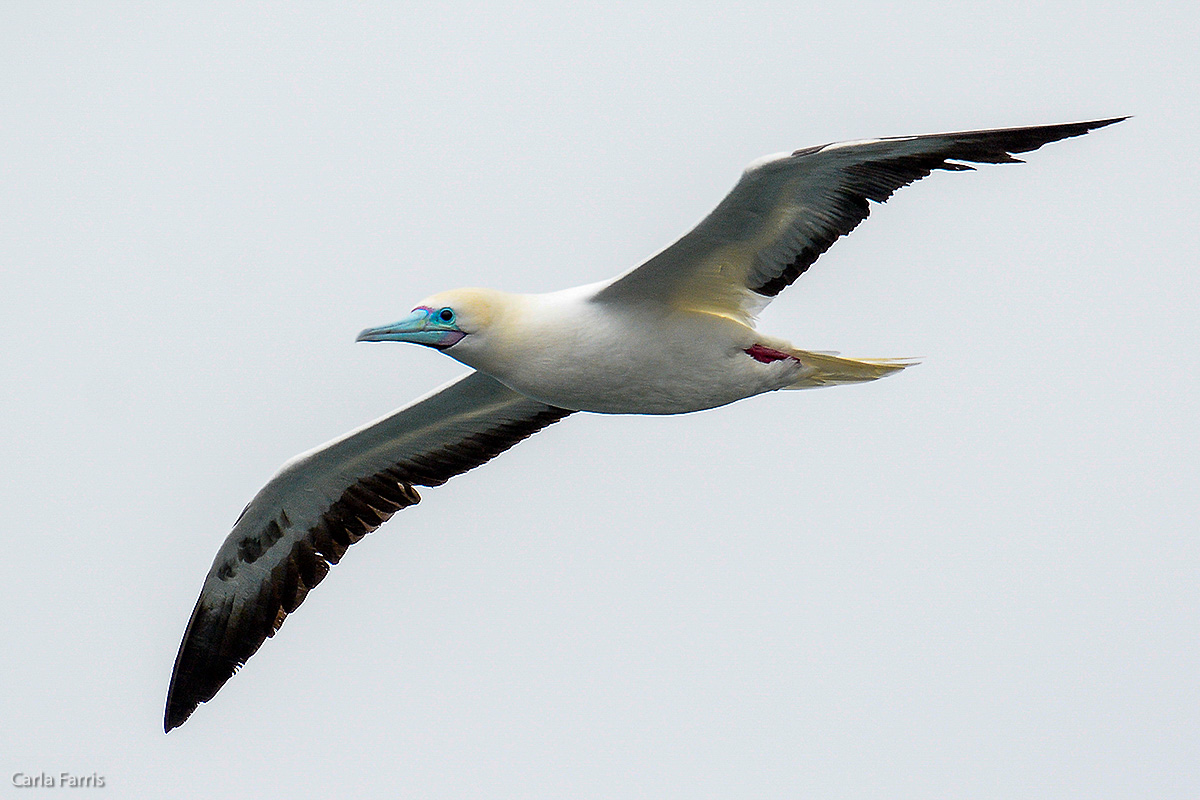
(888,164)
(1100,123)
(1091,125)
(196,678)
(994,146)
(222,636)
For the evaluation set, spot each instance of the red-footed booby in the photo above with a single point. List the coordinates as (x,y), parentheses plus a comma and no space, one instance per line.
(673,335)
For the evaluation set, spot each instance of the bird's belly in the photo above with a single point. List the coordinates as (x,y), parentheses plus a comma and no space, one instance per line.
(653,379)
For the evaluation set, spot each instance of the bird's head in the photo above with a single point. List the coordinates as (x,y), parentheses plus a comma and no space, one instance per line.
(443,320)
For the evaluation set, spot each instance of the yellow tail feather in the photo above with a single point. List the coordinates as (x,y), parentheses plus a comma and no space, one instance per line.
(831,370)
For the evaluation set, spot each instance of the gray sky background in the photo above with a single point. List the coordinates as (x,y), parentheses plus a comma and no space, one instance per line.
(975,579)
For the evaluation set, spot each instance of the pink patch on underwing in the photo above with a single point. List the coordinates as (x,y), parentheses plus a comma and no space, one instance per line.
(766,354)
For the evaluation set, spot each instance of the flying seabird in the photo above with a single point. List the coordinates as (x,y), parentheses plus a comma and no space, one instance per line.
(671,336)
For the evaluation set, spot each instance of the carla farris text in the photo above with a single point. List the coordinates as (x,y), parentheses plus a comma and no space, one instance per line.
(63,780)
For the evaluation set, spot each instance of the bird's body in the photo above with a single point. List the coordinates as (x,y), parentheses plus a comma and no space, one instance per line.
(682,363)
(573,350)
(672,336)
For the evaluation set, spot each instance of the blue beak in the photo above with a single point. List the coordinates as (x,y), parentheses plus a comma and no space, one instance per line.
(419,327)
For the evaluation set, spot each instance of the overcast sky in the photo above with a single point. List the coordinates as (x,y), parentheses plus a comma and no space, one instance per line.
(976,579)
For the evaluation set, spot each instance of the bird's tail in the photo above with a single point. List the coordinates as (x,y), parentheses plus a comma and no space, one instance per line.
(827,369)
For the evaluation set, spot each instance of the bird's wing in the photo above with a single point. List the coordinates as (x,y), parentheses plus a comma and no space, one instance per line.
(789,209)
(323,501)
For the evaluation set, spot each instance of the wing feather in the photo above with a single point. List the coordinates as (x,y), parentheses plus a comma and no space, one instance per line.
(787,210)
(323,501)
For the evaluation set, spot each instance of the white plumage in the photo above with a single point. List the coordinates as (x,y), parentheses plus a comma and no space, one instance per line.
(671,336)
(577,350)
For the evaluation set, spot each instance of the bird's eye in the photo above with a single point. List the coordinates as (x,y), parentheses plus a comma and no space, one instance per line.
(446,315)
